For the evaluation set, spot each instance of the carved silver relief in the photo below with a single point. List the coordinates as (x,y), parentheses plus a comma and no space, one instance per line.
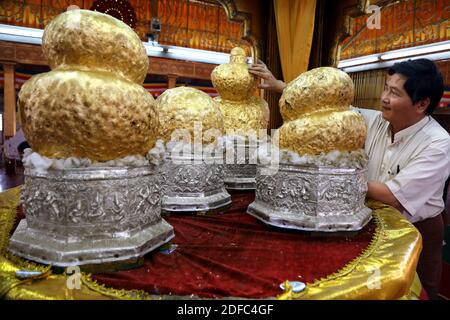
(192,184)
(69,213)
(312,198)
(240,175)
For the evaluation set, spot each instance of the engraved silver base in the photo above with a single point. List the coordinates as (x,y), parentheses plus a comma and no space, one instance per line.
(312,198)
(193,184)
(240,175)
(90,216)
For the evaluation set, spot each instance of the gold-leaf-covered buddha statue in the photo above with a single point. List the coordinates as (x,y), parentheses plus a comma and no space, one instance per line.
(242,111)
(92,104)
(317,117)
(186,108)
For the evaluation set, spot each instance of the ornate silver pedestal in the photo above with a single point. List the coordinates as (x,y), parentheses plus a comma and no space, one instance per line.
(241,173)
(312,198)
(90,216)
(193,184)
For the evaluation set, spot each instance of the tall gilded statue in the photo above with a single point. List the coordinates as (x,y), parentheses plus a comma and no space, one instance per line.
(316,111)
(92,104)
(241,109)
(102,212)
(245,115)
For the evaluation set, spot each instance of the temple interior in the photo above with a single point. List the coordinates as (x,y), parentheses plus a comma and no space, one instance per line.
(193,229)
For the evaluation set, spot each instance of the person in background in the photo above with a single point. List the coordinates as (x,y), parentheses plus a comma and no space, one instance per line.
(409,154)
(21,147)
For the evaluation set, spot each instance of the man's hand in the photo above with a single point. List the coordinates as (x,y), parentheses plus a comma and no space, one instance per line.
(270,82)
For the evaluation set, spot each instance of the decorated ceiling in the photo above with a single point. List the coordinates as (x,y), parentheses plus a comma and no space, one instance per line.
(402,24)
(187,23)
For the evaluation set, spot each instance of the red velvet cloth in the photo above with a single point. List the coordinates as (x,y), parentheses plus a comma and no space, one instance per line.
(234,254)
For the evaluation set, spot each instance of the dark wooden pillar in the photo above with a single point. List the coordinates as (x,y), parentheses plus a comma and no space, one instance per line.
(9,114)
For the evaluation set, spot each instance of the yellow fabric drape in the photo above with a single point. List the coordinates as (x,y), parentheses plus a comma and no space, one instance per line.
(385,270)
(295,27)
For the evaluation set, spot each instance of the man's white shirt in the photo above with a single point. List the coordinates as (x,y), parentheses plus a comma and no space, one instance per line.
(414,166)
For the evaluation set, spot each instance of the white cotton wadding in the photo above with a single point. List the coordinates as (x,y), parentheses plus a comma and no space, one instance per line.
(172,144)
(128,161)
(239,147)
(42,164)
(333,156)
(176,148)
(58,164)
(181,147)
(26,152)
(293,157)
(338,159)
(270,154)
(157,155)
(36,161)
(71,162)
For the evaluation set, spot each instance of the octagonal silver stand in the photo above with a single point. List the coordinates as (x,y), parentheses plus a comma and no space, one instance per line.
(311,198)
(90,216)
(240,173)
(193,184)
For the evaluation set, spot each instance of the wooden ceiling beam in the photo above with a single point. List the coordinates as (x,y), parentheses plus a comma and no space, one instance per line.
(21,53)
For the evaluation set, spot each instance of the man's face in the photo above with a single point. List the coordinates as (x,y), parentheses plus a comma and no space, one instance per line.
(396,106)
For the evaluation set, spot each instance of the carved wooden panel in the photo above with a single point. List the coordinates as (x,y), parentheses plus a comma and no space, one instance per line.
(32,54)
(22,53)
(188,23)
(403,24)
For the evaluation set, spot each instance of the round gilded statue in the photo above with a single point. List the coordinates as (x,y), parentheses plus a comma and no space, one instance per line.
(190,115)
(87,40)
(92,103)
(317,116)
(232,80)
(242,111)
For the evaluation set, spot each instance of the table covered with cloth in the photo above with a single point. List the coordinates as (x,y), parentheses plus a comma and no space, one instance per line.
(233,255)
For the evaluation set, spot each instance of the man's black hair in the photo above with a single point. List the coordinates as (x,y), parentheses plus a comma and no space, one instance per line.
(423,81)
(22,146)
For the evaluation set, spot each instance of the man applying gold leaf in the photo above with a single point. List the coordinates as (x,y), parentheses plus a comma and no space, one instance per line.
(409,153)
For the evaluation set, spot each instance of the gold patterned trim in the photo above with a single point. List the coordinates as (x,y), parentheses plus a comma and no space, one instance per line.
(385,269)
(23,264)
(123,294)
(10,199)
(347,269)
(12,280)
